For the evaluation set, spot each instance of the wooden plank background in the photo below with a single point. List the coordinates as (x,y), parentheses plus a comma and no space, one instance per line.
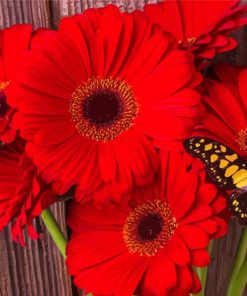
(39,269)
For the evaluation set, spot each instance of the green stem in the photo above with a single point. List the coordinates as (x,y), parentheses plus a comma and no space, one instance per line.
(238,278)
(54,230)
(202,273)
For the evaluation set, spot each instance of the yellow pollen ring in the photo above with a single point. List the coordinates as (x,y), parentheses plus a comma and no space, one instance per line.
(187,43)
(191,40)
(241,139)
(130,230)
(4,84)
(109,132)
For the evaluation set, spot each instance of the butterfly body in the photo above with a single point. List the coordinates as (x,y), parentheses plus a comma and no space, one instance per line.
(226,168)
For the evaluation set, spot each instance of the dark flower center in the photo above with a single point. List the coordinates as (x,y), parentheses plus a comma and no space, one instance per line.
(103,107)
(150,227)
(4,107)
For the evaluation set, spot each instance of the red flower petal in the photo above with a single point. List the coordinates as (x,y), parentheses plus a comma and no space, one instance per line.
(107,279)
(96,228)
(201,26)
(162,266)
(222,227)
(198,214)
(200,258)
(13,41)
(196,284)
(178,251)
(209,226)
(178,70)
(96,246)
(59,63)
(219,204)
(84,216)
(193,237)
(164,14)
(218,91)
(185,283)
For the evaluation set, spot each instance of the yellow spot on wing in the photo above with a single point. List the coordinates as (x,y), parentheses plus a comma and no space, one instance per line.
(242,183)
(235,203)
(223,163)
(232,157)
(213,157)
(239,175)
(222,148)
(208,147)
(231,170)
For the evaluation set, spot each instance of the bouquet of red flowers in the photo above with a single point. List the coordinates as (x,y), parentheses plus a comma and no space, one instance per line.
(130,119)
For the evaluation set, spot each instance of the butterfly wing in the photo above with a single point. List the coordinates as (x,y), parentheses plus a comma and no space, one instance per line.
(226,168)
(222,163)
(237,205)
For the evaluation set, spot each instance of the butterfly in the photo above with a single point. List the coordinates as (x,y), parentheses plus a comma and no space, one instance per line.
(226,168)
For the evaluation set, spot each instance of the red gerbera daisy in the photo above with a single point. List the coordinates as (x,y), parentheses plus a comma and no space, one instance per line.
(226,105)
(13,41)
(93,104)
(201,26)
(148,245)
(23,194)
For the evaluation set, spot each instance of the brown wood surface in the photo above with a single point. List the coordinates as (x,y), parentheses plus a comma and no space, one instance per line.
(39,269)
